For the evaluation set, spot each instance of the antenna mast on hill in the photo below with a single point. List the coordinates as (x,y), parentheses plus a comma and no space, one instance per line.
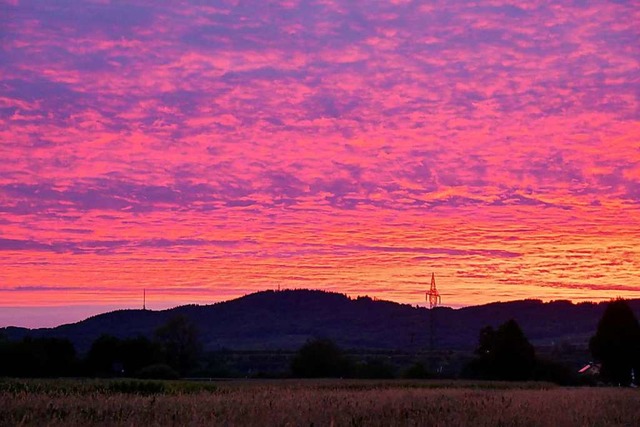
(433,297)
(144,299)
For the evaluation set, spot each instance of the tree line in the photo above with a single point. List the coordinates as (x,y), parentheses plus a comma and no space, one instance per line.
(174,350)
(505,354)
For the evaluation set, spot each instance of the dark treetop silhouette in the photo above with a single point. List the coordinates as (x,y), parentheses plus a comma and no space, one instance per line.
(287,319)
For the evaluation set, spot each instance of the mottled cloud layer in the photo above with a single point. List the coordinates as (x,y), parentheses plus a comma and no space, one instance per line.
(209,149)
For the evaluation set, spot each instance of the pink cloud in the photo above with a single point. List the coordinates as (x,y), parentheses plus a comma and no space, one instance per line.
(484,128)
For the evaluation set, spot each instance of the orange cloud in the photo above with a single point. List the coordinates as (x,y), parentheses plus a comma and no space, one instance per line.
(206,152)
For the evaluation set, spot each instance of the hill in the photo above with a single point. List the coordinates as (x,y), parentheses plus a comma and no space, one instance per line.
(284,320)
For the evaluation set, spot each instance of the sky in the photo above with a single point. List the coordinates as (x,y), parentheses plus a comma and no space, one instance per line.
(204,150)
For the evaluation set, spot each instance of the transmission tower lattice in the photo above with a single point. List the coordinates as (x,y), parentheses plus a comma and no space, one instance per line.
(433,297)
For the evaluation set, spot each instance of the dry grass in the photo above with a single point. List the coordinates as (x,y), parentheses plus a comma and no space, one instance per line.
(322,403)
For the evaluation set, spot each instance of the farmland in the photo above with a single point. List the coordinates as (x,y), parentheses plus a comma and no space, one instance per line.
(311,402)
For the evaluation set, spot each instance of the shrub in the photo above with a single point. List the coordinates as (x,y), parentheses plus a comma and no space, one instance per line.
(158,371)
(417,371)
(320,358)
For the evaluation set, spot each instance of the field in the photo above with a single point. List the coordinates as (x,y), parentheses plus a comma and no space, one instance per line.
(312,403)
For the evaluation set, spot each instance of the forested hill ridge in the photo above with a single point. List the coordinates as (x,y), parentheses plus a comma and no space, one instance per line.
(284,320)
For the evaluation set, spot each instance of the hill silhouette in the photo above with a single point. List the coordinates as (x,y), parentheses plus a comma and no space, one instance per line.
(284,320)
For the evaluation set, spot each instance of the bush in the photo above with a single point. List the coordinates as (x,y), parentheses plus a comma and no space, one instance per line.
(143,388)
(158,372)
(417,371)
(320,358)
(558,373)
(375,369)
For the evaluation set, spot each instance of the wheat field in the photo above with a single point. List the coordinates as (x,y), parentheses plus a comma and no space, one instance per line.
(313,403)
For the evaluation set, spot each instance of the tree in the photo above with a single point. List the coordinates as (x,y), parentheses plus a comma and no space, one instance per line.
(503,354)
(103,356)
(180,343)
(417,371)
(109,356)
(616,343)
(38,357)
(374,369)
(138,353)
(320,358)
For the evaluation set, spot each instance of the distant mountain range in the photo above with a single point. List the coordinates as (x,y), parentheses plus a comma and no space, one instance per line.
(284,320)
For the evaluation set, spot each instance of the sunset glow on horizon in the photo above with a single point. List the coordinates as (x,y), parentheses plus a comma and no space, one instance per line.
(207,150)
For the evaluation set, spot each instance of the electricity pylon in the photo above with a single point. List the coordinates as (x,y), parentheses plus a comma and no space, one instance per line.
(433,297)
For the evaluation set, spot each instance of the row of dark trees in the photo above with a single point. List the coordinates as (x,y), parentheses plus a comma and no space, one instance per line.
(506,354)
(503,353)
(322,358)
(172,352)
(38,357)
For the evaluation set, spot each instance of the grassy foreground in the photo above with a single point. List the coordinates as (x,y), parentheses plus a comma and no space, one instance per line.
(317,403)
